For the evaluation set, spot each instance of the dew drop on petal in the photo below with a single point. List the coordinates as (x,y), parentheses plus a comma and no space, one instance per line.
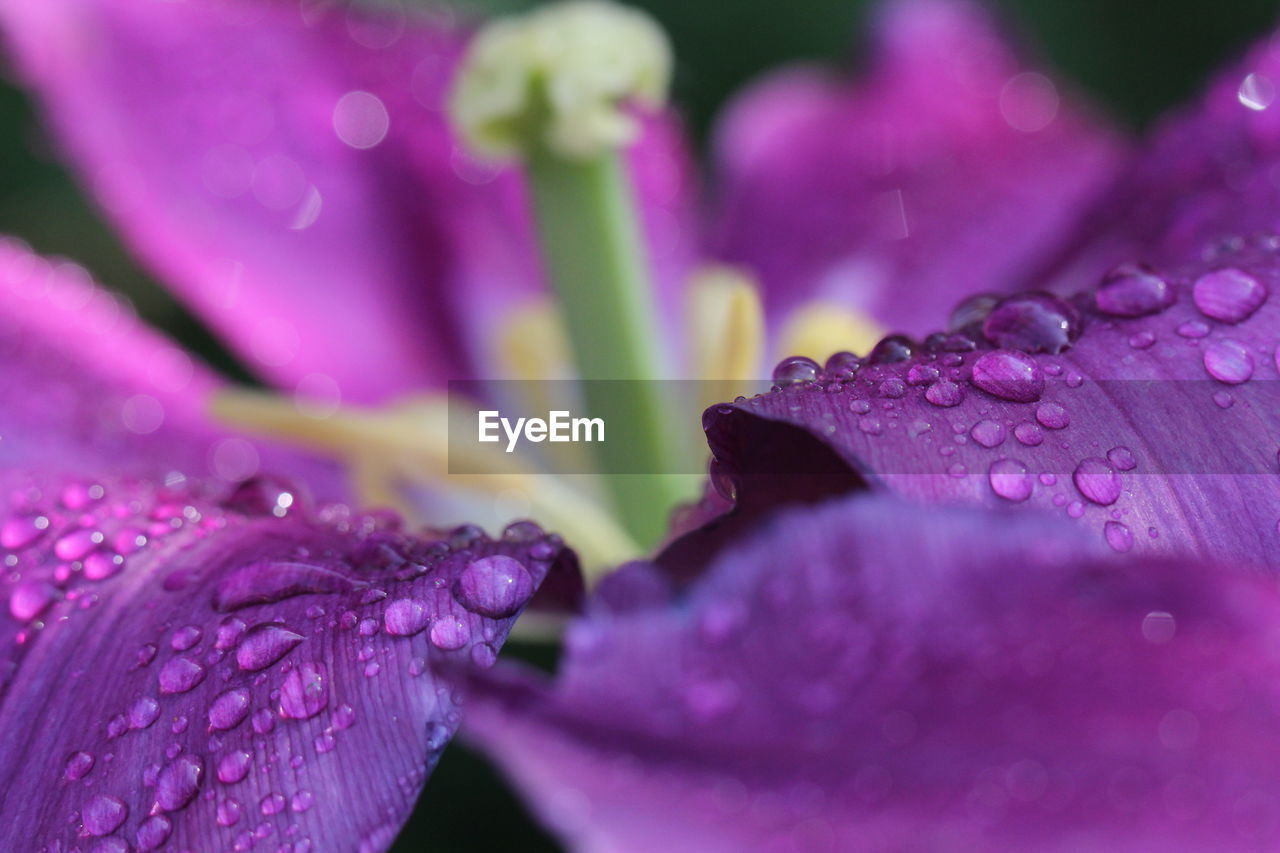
(1131,290)
(1097,481)
(264,645)
(180,675)
(1009,375)
(496,586)
(178,783)
(1228,361)
(1010,480)
(1229,295)
(234,766)
(1052,416)
(103,815)
(406,617)
(1032,322)
(229,709)
(304,692)
(945,394)
(1118,536)
(449,632)
(153,833)
(78,766)
(1122,458)
(988,433)
(795,370)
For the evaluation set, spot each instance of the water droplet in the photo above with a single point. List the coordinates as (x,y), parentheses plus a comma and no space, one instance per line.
(228,812)
(271,804)
(180,675)
(891,350)
(1133,290)
(179,782)
(795,370)
(144,712)
(971,312)
(1118,536)
(304,693)
(78,766)
(1159,627)
(103,815)
(229,709)
(230,630)
(495,586)
(892,388)
(945,394)
(30,598)
(1052,416)
(871,426)
(1256,91)
(186,637)
(1009,375)
(234,766)
(988,433)
(1142,340)
(271,581)
(1193,329)
(1122,458)
(22,530)
(1032,322)
(1097,481)
(344,717)
(1228,361)
(405,617)
(1229,295)
(449,632)
(842,365)
(77,544)
(265,644)
(101,565)
(325,742)
(1029,434)
(302,801)
(1010,480)
(153,833)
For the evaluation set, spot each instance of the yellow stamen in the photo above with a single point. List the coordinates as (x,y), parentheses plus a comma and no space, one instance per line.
(820,328)
(560,77)
(408,442)
(726,326)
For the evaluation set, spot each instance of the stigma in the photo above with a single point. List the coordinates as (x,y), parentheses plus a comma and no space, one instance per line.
(563,79)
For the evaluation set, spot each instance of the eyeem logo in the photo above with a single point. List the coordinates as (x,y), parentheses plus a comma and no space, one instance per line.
(558,426)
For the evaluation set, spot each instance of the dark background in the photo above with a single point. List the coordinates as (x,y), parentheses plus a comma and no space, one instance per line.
(1136,58)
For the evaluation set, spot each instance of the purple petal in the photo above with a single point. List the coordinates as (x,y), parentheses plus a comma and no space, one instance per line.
(948,169)
(873,676)
(89,389)
(1204,183)
(1157,429)
(184,670)
(289,171)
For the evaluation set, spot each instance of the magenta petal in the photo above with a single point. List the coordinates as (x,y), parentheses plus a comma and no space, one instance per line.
(185,670)
(873,676)
(290,172)
(1156,432)
(88,389)
(949,168)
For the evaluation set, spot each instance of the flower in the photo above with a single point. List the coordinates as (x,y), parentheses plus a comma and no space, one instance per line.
(291,174)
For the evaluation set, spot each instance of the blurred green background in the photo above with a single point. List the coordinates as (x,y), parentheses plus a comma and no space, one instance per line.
(1136,59)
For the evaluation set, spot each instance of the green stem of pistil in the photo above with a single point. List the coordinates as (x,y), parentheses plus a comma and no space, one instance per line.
(593,253)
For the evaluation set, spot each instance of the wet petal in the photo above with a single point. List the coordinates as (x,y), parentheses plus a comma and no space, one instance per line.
(1156,432)
(194,667)
(289,171)
(872,676)
(949,168)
